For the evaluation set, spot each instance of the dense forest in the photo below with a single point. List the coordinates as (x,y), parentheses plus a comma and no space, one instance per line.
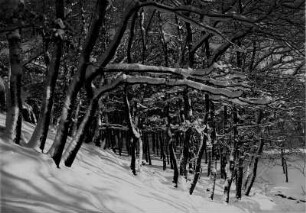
(214,82)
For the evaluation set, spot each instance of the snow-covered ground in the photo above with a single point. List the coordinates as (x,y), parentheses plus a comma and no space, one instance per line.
(101,181)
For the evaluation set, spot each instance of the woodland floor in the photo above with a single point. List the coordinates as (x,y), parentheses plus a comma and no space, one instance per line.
(101,181)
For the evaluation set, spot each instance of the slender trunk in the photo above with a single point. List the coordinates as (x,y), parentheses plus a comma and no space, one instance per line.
(256,159)
(129,47)
(76,117)
(143,35)
(78,140)
(223,163)
(198,164)
(14,117)
(145,144)
(209,153)
(148,150)
(248,172)
(41,130)
(173,158)
(120,142)
(132,131)
(213,177)
(133,154)
(163,151)
(213,164)
(140,153)
(228,181)
(284,163)
(153,142)
(202,148)
(184,158)
(163,40)
(239,177)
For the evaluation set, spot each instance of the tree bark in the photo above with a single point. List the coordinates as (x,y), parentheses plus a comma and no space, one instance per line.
(202,147)
(256,159)
(78,80)
(14,118)
(42,128)
(185,154)
(77,141)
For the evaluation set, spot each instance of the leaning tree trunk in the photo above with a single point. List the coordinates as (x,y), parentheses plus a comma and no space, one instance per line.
(14,117)
(256,159)
(77,141)
(61,135)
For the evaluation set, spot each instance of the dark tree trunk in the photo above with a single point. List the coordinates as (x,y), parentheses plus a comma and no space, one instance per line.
(284,163)
(256,159)
(78,80)
(133,154)
(229,180)
(173,158)
(163,152)
(148,151)
(209,153)
(120,141)
(42,128)
(185,154)
(132,131)
(76,117)
(77,141)
(198,165)
(223,163)
(239,177)
(145,146)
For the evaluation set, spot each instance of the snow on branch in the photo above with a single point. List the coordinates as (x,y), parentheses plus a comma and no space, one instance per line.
(156,69)
(169,82)
(184,73)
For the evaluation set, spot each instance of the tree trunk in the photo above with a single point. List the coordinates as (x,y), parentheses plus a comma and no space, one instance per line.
(133,154)
(148,150)
(78,140)
(13,118)
(213,177)
(140,153)
(239,177)
(163,152)
(223,163)
(78,80)
(202,147)
(76,117)
(228,181)
(185,154)
(42,127)
(256,159)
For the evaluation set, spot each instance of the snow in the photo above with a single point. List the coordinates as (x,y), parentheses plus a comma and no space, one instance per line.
(101,181)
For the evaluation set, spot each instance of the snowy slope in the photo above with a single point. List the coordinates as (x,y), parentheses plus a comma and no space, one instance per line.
(101,181)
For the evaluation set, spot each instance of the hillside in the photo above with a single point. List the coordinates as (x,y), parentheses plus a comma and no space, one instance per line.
(101,181)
